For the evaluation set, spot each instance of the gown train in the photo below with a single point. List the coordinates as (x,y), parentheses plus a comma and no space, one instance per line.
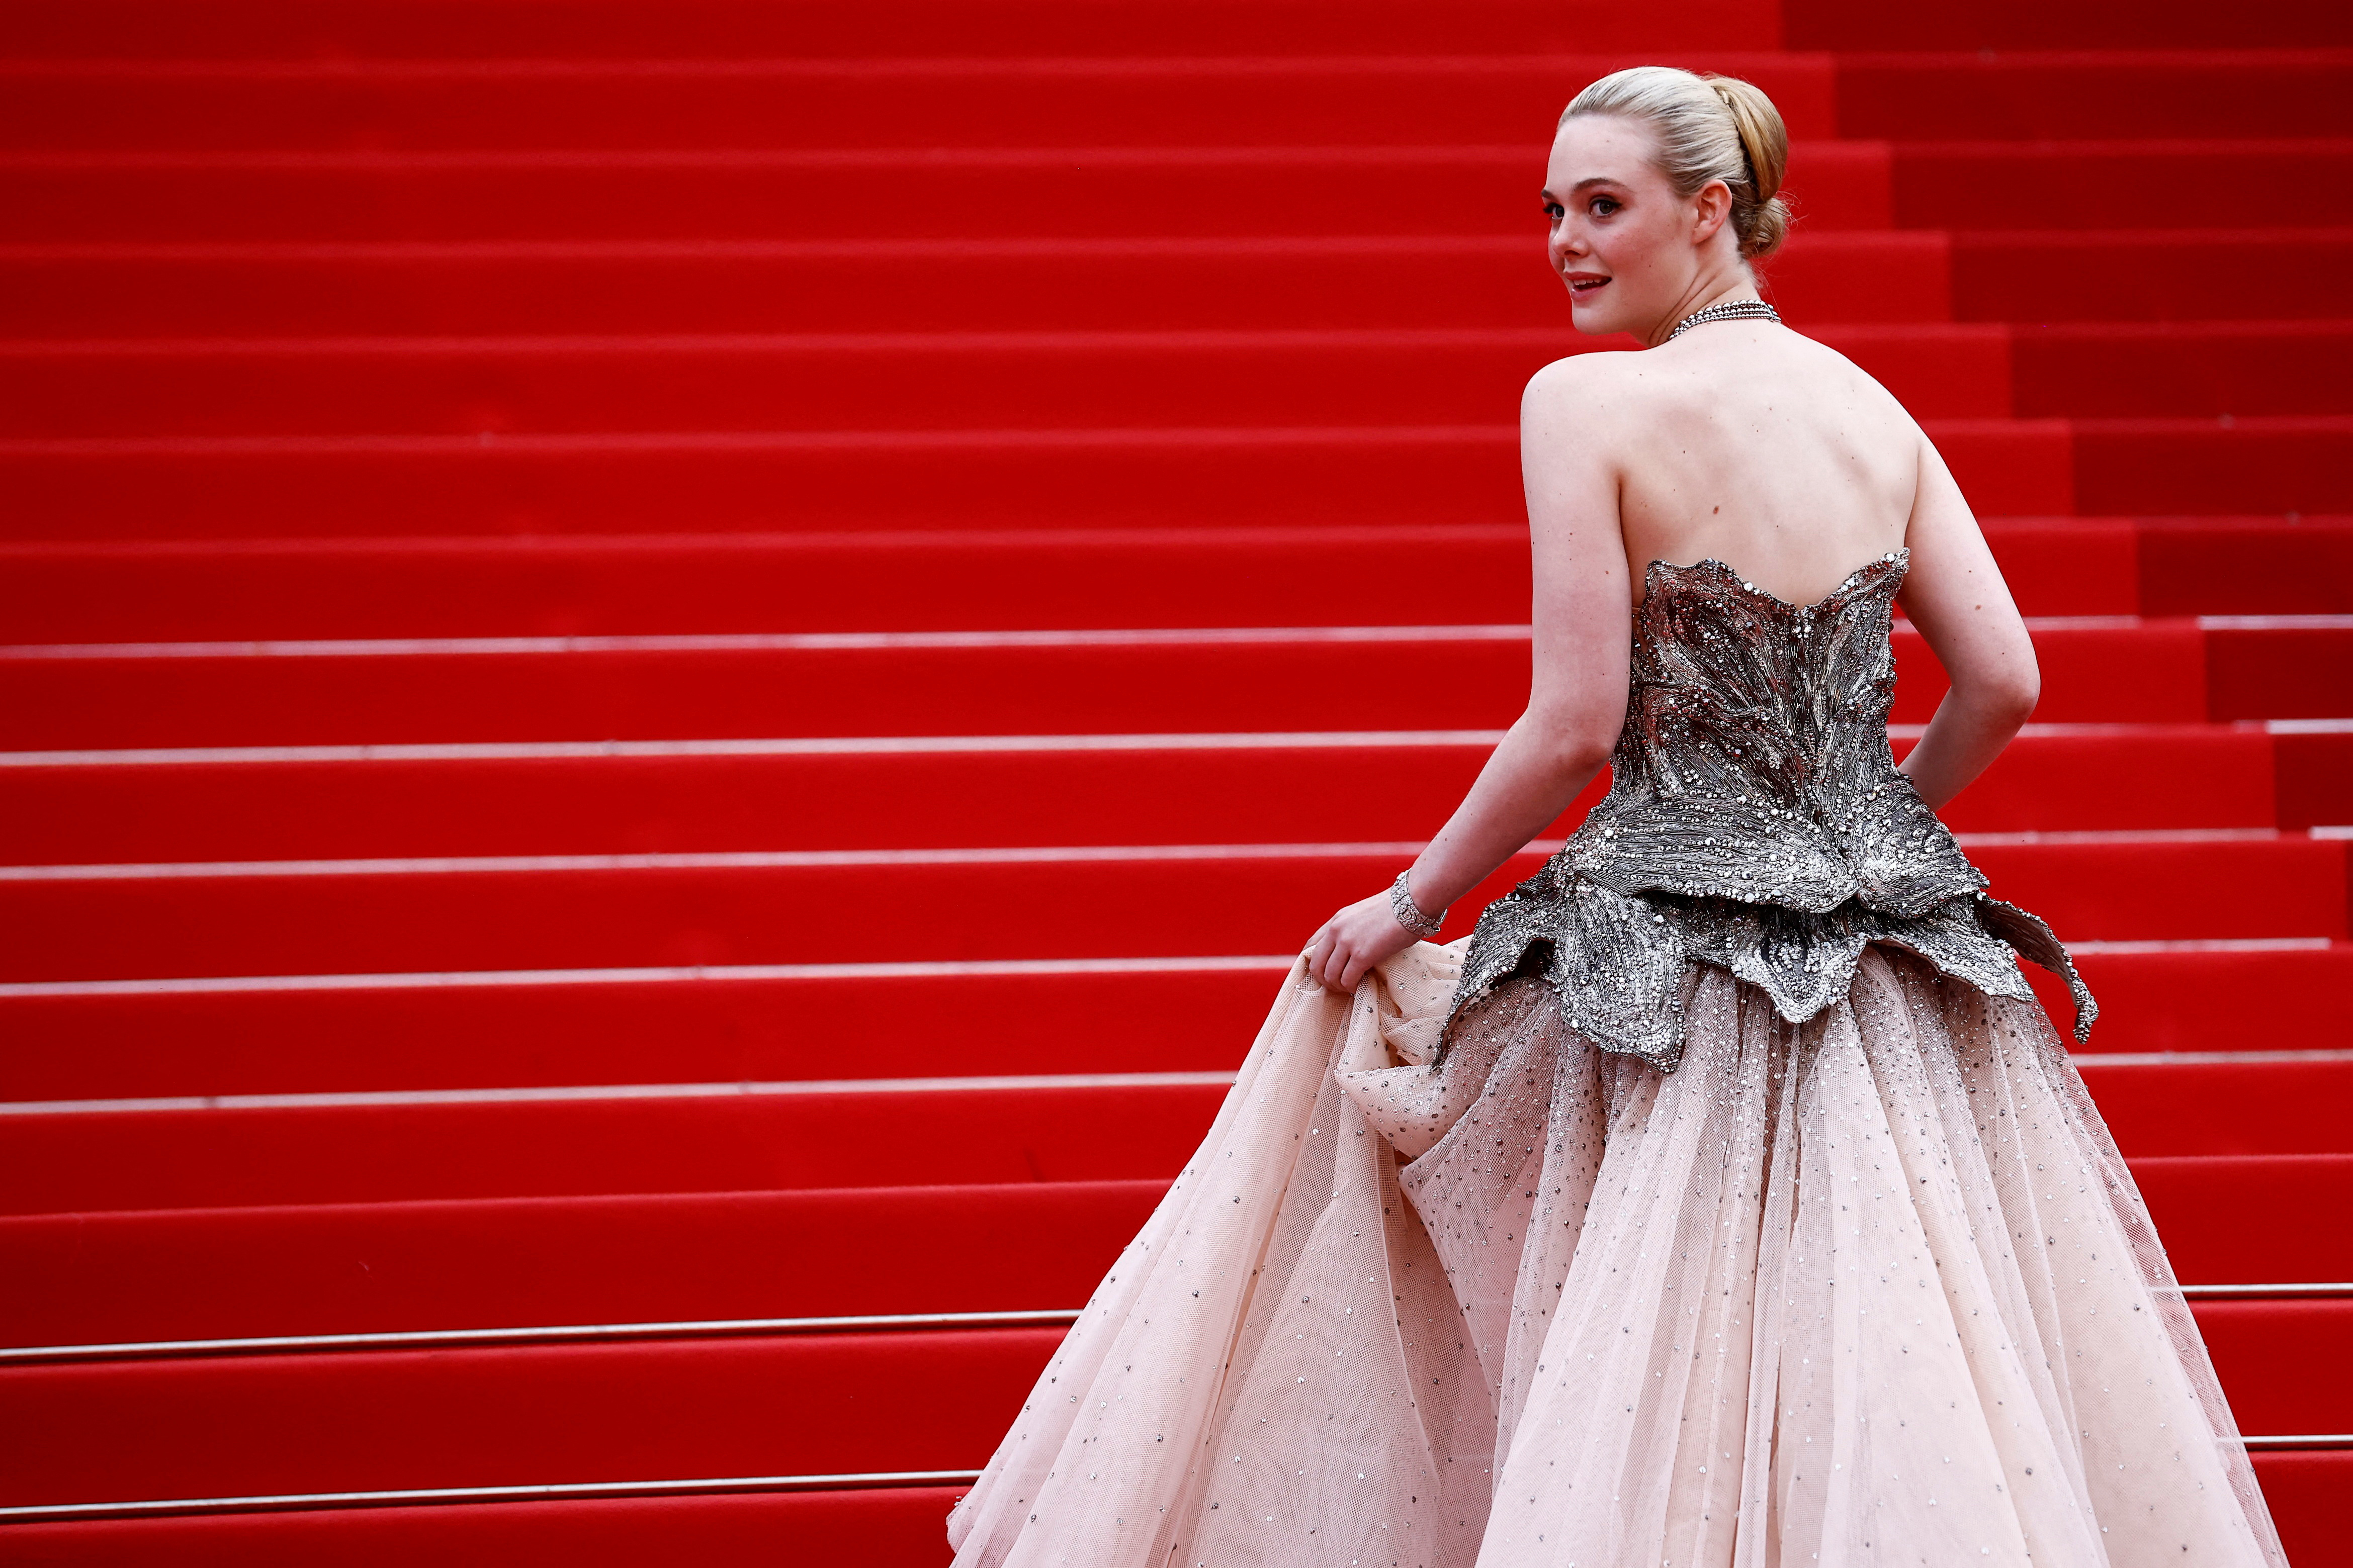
(1872,1289)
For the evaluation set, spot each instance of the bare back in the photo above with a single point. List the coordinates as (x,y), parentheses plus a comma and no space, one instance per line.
(1761,448)
(1749,444)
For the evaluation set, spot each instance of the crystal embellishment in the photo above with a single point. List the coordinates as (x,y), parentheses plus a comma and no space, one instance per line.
(1755,821)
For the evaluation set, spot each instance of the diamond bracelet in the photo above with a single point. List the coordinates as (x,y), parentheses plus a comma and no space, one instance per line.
(1409,913)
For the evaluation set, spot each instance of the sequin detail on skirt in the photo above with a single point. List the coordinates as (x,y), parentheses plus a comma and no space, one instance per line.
(1874,1289)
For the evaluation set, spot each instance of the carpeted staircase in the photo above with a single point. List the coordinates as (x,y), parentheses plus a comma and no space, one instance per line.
(677,673)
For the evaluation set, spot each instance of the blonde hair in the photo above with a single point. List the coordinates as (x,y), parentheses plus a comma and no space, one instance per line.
(1709,128)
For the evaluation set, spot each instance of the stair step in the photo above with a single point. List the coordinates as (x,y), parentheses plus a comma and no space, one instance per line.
(2081,94)
(2158,1107)
(1199,100)
(964,580)
(674,1257)
(206,1427)
(510,29)
(1143,100)
(2220,1227)
(2244,658)
(2094,670)
(374,484)
(2096,185)
(463,1030)
(2302,463)
(916,1135)
(51,290)
(2002,24)
(849,907)
(1113,380)
(894,1528)
(995,790)
(1249,789)
(2137,275)
(994,1132)
(650,1257)
(847,1403)
(631,482)
(849,381)
(1402,283)
(470,1029)
(1471,575)
(1023,193)
(2156,370)
(1334,281)
(957,193)
(2243,566)
(2157,996)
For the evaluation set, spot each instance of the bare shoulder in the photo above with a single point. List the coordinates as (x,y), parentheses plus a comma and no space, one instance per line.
(1573,446)
(1584,389)
(1841,376)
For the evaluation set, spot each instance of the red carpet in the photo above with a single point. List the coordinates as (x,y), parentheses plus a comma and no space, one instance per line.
(669,669)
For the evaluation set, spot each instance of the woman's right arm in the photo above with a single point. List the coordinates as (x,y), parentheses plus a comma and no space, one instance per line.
(1955,595)
(1581,622)
(1582,626)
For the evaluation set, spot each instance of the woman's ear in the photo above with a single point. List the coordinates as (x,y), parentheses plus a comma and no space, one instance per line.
(1712,207)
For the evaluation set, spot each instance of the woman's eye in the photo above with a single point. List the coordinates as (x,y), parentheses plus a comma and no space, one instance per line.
(1602,206)
(1555,211)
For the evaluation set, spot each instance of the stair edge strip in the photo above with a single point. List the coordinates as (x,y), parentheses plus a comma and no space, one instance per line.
(451,1339)
(289,1502)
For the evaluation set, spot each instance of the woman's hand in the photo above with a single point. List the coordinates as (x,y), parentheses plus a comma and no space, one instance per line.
(1355,940)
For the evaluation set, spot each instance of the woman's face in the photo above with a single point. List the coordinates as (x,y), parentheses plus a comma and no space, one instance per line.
(1628,247)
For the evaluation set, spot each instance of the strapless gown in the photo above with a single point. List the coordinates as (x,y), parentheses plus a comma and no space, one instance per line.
(1726,1200)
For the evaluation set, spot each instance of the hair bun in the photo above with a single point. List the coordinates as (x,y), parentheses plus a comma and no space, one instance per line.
(1764,139)
(1709,128)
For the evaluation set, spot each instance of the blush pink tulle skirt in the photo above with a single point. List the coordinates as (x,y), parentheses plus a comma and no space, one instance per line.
(1872,1289)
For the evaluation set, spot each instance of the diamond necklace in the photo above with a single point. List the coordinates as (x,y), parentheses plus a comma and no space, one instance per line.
(1725,310)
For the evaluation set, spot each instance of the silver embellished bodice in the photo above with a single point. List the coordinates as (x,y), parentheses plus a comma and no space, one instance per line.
(1756,820)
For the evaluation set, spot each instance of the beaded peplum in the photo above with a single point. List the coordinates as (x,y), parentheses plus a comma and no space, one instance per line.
(1755,821)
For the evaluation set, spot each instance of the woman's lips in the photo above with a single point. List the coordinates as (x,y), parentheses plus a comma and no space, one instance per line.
(1582,284)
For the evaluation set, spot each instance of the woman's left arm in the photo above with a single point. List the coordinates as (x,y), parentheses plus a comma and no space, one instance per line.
(1957,600)
(1581,626)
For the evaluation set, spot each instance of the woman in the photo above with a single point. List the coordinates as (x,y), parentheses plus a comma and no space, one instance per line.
(1729,1200)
